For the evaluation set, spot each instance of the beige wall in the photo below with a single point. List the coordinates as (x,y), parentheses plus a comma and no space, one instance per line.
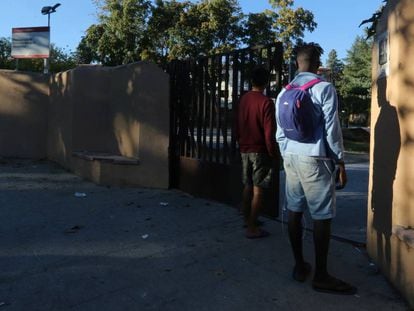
(121,111)
(23,114)
(391,188)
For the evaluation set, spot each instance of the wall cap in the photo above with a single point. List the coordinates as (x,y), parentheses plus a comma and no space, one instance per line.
(105,157)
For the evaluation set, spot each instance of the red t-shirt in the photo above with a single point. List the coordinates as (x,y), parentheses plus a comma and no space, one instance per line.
(256,124)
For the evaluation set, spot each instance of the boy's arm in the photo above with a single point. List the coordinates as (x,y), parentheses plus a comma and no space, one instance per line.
(333,130)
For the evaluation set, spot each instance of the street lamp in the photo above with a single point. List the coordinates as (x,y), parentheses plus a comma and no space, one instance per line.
(47,10)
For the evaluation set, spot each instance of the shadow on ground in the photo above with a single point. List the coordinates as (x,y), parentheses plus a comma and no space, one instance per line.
(144,249)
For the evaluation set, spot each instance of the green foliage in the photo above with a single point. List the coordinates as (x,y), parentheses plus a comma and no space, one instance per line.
(355,85)
(258,29)
(131,30)
(290,24)
(60,60)
(224,24)
(206,27)
(159,39)
(118,38)
(87,50)
(5,52)
(336,66)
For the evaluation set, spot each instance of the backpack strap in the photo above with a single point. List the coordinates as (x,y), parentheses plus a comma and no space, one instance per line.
(304,87)
(310,84)
(290,86)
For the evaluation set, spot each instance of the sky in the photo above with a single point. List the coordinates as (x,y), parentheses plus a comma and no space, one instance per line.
(337,20)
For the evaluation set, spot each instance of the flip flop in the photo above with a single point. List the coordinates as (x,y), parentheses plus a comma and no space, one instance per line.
(333,285)
(259,235)
(301,272)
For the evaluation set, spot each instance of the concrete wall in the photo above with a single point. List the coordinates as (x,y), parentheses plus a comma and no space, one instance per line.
(120,111)
(59,136)
(24,100)
(390,224)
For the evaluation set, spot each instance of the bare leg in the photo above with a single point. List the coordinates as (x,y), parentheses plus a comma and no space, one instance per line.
(322,281)
(295,235)
(256,207)
(247,202)
(321,238)
(302,269)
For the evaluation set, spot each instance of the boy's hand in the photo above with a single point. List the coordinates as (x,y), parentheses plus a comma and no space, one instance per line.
(341,177)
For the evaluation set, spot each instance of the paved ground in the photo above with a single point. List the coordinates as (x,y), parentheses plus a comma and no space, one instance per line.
(67,244)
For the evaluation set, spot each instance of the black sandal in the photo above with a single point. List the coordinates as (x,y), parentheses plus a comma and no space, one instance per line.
(333,285)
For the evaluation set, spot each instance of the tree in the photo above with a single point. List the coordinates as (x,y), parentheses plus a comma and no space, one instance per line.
(60,60)
(336,66)
(118,38)
(159,39)
(131,30)
(258,29)
(225,24)
(5,54)
(290,24)
(207,27)
(87,50)
(355,86)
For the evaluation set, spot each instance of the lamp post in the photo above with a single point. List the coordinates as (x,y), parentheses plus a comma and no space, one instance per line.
(47,10)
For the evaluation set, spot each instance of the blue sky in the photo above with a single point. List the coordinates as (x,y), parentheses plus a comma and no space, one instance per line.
(337,20)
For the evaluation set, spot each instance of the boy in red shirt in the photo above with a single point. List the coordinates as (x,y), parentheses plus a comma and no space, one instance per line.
(255,133)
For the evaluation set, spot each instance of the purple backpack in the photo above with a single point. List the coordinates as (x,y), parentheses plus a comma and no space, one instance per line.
(297,115)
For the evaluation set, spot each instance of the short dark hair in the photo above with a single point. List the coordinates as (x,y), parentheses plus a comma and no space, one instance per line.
(260,76)
(309,52)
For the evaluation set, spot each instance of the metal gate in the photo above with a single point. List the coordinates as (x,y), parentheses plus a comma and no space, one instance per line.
(204,158)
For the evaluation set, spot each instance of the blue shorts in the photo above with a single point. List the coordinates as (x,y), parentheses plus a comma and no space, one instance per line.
(310,182)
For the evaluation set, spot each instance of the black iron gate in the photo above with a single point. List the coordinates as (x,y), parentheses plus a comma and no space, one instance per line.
(204,159)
